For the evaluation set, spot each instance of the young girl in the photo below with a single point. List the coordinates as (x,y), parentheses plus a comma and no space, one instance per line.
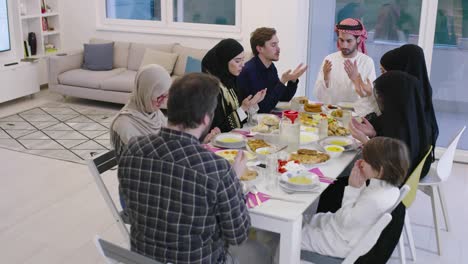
(385,164)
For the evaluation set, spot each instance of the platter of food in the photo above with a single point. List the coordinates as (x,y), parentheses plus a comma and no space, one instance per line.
(230,154)
(346,142)
(266,123)
(309,157)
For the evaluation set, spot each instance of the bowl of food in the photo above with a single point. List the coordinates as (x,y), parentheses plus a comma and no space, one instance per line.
(334,150)
(229,140)
(300,179)
(262,153)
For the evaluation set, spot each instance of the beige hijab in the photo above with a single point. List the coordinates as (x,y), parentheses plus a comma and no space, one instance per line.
(138,116)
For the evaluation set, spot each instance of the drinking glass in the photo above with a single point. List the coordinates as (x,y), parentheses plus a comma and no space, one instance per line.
(346,118)
(272,172)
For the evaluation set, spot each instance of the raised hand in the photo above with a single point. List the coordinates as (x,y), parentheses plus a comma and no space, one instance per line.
(352,70)
(215,131)
(239,164)
(357,178)
(357,133)
(364,126)
(293,75)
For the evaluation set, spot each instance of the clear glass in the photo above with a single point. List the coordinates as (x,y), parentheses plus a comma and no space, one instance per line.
(346,118)
(449,70)
(290,134)
(135,10)
(272,172)
(217,12)
(323,128)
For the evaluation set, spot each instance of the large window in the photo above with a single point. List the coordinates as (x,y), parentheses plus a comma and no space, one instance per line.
(218,12)
(175,15)
(449,69)
(392,23)
(134,9)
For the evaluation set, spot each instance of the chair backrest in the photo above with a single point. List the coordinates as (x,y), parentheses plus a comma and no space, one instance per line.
(444,166)
(403,192)
(116,254)
(362,246)
(413,181)
(369,239)
(97,166)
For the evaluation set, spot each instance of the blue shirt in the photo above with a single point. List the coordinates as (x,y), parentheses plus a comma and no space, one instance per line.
(255,77)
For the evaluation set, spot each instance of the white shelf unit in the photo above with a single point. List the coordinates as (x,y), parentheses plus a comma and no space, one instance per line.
(32,21)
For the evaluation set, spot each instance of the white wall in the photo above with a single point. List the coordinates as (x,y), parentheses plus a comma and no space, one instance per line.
(290,18)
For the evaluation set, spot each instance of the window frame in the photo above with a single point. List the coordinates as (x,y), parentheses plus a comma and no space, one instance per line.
(167,26)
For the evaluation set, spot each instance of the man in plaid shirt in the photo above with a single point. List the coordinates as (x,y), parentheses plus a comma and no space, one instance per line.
(185,203)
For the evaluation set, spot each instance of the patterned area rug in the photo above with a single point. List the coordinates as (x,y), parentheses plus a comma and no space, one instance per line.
(58,130)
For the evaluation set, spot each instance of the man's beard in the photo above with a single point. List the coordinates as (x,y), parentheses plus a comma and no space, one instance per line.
(347,52)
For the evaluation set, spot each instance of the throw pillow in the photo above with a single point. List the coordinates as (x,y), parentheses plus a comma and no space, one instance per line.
(164,59)
(192,65)
(98,57)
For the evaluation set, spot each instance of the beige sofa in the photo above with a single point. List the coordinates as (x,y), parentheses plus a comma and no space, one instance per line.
(68,78)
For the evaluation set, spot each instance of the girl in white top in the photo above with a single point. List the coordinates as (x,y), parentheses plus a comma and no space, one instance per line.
(385,164)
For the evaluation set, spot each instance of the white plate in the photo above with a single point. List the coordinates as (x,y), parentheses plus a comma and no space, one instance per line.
(286,188)
(346,142)
(230,154)
(346,105)
(306,138)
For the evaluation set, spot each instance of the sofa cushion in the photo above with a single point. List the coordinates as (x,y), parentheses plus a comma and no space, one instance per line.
(122,82)
(86,78)
(98,57)
(164,59)
(120,51)
(183,52)
(137,51)
(192,65)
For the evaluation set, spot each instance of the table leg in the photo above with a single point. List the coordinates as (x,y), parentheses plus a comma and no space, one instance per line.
(290,242)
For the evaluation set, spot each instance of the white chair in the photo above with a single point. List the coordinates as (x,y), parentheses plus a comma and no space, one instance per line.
(430,184)
(97,166)
(114,254)
(361,248)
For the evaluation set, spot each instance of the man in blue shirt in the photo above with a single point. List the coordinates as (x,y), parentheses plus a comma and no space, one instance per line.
(260,72)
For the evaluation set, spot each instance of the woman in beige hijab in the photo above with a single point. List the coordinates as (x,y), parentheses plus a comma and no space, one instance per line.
(141,115)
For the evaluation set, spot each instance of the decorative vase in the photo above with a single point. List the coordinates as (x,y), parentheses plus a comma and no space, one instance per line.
(32,42)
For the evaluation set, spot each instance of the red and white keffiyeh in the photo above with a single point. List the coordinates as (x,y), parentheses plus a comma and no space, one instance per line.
(355,27)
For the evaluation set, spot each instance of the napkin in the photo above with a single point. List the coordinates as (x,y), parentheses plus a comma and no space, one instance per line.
(252,201)
(322,177)
(210,147)
(243,132)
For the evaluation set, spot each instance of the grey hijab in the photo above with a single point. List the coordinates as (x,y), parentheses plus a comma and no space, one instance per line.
(138,116)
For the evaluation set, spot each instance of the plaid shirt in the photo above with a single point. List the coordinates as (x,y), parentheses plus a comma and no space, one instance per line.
(184,202)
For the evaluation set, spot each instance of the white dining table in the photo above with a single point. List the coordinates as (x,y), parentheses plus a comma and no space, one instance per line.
(285,217)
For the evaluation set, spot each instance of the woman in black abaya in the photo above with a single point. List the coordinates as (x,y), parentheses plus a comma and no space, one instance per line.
(400,101)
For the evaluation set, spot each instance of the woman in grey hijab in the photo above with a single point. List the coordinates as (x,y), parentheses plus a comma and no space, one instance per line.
(141,115)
